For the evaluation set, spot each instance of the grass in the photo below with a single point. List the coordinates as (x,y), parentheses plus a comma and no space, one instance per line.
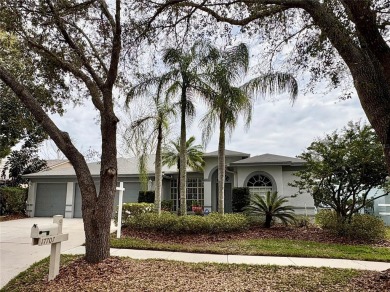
(269,247)
(124,274)
(387,233)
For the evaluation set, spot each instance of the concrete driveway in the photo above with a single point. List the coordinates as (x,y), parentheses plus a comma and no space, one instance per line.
(16,251)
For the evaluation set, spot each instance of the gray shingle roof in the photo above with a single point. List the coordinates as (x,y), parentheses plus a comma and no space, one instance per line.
(269,159)
(227,153)
(126,167)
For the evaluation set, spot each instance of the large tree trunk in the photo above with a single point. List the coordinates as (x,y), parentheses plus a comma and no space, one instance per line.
(369,63)
(97,217)
(183,154)
(158,171)
(221,165)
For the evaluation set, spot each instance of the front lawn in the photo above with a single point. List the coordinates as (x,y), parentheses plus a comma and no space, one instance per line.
(124,274)
(278,241)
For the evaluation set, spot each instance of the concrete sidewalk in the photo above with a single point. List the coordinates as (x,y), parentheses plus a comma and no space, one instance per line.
(241,259)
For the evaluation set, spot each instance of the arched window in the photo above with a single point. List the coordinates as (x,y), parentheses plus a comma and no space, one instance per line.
(259,184)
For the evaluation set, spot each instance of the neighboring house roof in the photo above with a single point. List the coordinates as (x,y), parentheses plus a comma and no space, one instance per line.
(126,167)
(53,163)
(227,153)
(269,159)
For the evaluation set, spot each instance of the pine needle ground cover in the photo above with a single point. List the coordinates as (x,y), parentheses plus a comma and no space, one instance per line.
(124,274)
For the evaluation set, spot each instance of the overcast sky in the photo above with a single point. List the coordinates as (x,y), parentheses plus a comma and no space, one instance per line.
(277,127)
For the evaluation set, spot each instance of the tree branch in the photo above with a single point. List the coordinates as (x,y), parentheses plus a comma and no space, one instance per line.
(93,89)
(73,45)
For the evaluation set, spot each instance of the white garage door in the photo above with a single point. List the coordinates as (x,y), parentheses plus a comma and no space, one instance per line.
(50,199)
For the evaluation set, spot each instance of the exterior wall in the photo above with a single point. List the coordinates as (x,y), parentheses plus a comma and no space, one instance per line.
(246,172)
(303,203)
(32,193)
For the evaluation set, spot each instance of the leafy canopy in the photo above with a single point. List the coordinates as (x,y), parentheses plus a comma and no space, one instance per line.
(342,168)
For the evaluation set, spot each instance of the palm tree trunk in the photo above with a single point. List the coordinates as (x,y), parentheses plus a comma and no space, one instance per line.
(158,171)
(221,165)
(268,220)
(183,156)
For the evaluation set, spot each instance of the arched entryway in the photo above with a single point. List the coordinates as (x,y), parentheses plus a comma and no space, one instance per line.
(229,179)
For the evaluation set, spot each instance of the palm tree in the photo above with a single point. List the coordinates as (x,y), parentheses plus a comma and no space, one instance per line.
(184,78)
(158,121)
(270,207)
(194,159)
(226,102)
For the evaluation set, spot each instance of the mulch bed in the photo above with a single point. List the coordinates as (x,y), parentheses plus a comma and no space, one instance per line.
(281,232)
(12,217)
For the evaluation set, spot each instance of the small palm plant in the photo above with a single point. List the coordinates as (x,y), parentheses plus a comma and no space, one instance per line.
(271,207)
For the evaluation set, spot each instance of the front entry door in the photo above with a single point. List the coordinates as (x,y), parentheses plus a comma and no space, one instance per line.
(228,198)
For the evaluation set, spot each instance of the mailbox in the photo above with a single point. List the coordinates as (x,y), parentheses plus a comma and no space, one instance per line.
(50,234)
(44,231)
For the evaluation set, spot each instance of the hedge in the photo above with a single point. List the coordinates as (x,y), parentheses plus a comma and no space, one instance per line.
(146,197)
(169,223)
(241,199)
(13,200)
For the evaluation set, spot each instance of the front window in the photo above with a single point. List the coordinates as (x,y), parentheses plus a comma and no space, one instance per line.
(259,184)
(195,192)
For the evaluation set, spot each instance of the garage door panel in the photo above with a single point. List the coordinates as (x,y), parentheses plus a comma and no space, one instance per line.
(77,200)
(130,195)
(50,199)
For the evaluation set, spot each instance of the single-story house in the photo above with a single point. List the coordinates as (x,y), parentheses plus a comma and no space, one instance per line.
(56,191)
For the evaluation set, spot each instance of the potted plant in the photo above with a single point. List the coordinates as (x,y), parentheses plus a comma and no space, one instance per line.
(197,208)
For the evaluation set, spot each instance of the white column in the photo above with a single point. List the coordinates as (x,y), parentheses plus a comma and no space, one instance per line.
(32,190)
(69,207)
(207,194)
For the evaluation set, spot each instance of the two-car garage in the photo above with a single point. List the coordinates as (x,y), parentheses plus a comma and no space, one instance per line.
(51,198)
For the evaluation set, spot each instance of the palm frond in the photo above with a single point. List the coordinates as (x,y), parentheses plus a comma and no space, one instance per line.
(272,83)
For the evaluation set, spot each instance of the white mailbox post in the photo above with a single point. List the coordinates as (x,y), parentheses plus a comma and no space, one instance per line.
(50,234)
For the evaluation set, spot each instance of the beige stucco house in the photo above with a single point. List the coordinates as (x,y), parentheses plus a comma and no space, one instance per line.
(56,191)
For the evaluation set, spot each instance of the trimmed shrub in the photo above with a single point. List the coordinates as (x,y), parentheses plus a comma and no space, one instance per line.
(362,226)
(240,199)
(302,221)
(133,209)
(13,200)
(169,223)
(327,219)
(365,227)
(166,205)
(146,197)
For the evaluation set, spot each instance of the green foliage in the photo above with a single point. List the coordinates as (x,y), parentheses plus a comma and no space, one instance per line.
(327,219)
(342,168)
(16,122)
(172,224)
(366,227)
(271,207)
(171,154)
(302,221)
(22,162)
(146,197)
(12,200)
(130,210)
(360,227)
(166,205)
(241,199)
